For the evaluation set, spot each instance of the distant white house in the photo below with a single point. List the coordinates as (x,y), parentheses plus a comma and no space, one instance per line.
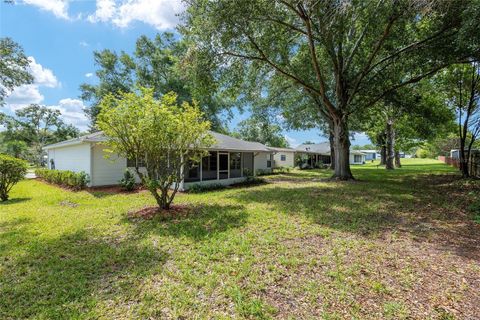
(283,157)
(320,153)
(371,154)
(228,160)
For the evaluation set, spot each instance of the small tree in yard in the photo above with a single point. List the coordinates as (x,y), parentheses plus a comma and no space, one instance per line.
(164,135)
(12,170)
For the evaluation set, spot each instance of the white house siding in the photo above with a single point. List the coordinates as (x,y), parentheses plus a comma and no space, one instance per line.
(260,161)
(74,158)
(289,159)
(106,171)
(352,159)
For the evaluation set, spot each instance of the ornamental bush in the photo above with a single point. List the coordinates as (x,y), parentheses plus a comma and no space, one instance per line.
(12,170)
(66,178)
(128,181)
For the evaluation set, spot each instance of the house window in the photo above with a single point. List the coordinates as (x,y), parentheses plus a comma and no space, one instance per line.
(357,158)
(131,163)
(269,161)
(283,157)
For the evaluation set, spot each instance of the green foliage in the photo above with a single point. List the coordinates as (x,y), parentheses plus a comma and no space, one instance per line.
(474,208)
(261,130)
(201,188)
(35,126)
(282,169)
(162,133)
(263,172)
(14,67)
(128,181)
(12,170)
(423,154)
(163,64)
(65,178)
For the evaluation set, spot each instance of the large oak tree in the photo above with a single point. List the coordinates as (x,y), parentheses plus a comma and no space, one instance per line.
(345,55)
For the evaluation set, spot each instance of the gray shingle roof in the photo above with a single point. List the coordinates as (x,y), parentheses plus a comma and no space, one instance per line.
(281,149)
(322,148)
(223,142)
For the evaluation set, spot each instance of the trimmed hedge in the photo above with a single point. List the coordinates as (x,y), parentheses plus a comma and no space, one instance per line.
(66,178)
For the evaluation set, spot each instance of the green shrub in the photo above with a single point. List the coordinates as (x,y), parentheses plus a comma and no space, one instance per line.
(12,170)
(128,181)
(282,170)
(66,178)
(263,172)
(199,188)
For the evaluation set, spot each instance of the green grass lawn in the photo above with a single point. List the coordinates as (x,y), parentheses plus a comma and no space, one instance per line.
(398,244)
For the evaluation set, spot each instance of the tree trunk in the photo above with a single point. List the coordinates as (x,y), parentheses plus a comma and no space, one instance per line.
(332,149)
(397,159)
(390,146)
(383,155)
(341,150)
(463,159)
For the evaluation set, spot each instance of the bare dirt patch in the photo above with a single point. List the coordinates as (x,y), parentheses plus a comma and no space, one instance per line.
(175,211)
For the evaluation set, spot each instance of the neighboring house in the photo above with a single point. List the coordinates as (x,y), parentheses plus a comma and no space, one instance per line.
(320,153)
(371,154)
(283,157)
(357,157)
(227,163)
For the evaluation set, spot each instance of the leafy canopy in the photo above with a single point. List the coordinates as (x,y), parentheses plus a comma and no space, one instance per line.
(164,135)
(14,69)
(163,64)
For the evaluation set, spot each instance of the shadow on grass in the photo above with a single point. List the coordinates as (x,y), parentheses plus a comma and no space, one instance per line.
(204,221)
(65,277)
(419,205)
(13,201)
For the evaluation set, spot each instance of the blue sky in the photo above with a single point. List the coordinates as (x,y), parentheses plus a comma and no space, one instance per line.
(60,37)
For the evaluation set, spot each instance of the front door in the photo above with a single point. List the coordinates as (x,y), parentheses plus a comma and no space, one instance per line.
(223,160)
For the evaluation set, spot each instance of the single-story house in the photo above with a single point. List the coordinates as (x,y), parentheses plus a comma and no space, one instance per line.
(320,153)
(283,157)
(227,163)
(315,153)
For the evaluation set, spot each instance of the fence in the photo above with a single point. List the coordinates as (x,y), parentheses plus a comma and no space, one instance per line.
(474,166)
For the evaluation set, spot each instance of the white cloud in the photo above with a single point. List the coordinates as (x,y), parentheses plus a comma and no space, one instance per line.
(58,7)
(83,43)
(89,75)
(30,93)
(73,112)
(161,14)
(42,76)
(292,142)
(105,11)
(24,94)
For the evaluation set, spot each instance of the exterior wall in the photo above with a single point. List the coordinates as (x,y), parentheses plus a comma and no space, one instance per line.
(75,158)
(260,161)
(289,159)
(370,156)
(352,159)
(106,171)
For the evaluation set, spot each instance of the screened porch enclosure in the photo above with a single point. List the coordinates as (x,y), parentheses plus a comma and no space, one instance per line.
(220,165)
